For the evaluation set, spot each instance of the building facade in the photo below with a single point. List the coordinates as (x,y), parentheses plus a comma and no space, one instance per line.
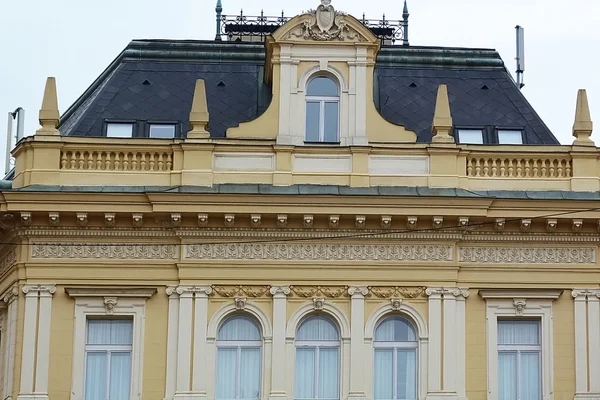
(316,216)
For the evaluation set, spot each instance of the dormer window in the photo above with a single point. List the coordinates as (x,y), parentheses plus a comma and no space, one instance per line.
(470,136)
(119,129)
(322,110)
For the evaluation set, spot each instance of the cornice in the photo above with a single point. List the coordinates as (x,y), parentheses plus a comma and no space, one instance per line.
(520,293)
(76,291)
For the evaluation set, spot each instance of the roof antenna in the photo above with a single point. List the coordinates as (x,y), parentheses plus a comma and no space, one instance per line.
(218,9)
(520,55)
(405,15)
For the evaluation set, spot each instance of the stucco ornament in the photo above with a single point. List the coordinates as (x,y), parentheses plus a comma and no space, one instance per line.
(325,24)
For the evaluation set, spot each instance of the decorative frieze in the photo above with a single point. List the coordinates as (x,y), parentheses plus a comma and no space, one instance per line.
(103,251)
(390,292)
(527,255)
(314,251)
(241,290)
(332,292)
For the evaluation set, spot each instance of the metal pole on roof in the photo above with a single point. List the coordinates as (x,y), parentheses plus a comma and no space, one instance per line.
(405,15)
(8,143)
(219,10)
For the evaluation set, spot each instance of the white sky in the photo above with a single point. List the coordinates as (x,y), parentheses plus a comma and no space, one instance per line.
(75,40)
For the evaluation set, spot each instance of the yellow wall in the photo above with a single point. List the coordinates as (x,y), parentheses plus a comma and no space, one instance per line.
(564,347)
(476,347)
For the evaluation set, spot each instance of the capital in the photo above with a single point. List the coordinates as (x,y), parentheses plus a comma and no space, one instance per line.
(358,291)
(279,291)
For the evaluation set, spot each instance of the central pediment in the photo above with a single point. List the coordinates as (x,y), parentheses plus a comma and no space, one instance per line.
(325,24)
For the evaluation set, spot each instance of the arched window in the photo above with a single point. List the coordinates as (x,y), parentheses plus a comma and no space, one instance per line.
(238,359)
(395,365)
(322,110)
(317,359)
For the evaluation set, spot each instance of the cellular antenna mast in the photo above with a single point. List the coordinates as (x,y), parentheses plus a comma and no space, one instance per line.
(520,55)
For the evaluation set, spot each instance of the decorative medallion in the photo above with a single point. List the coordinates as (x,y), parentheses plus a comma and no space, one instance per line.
(325,23)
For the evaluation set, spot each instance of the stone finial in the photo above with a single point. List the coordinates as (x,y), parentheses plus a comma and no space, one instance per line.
(199,113)
(442,120)
(582,128)
(49,116)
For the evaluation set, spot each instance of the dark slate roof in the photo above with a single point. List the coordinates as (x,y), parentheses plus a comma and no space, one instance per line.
(153,80)
(324,190)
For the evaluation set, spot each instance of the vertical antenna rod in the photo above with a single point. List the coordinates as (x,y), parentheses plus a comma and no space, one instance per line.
(520,55)
(8,143)
(405,15)
(218,10)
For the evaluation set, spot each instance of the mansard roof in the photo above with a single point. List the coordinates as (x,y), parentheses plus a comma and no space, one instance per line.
(153,80)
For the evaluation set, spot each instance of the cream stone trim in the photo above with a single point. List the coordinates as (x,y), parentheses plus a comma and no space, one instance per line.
(35,356)
(278,361)
(413,315)
(9,340)
(587,343)
(93,305)
(538,304)
(267,333)
(317,251)
(344,326)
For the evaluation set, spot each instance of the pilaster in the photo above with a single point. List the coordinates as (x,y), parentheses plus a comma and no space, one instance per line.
(357,341)
(10,339)
(587,343)
(36,341)
(278,356)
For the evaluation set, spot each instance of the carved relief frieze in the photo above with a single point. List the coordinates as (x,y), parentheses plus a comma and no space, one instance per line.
(241,291)
(391,292)
(325,23)
(103,251)
(306,291)
(527,255)
(315,251)
(8,260)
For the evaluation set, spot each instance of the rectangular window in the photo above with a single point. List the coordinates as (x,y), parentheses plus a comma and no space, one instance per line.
(108,359)
(510,137)
(313,117)
(117,129)
(519,360)
(162,131)
(470,136)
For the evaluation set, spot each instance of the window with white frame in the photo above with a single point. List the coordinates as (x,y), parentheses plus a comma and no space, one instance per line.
(317,359)
(395,362)
(322,110)
(519,360)
(506,136)
(162,131)
(238,369)
(108,352)
(470,136)
(119,129)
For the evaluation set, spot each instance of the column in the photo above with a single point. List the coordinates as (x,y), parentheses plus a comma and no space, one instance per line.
(435,339)
(184,341)
(38,312)
(357,341)
(200,323)
(172,336)
(581,361)
(10,298)
(594,340)
(461,356)
(278,356)
(449,372)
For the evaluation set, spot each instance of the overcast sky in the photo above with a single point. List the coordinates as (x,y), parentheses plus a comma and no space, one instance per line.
(75,40)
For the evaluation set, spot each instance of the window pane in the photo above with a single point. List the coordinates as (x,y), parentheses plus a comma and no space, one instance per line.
(95,376)
(329,374)
(313,110)
(304,383)
(472,136)
(322,86)
(383,375)
(507,376)
(119,130)
(510,137)
(120,375)
(331,121)
(162,131)
(530,376)
(519,332)
(226,373)
(250,374)
(395,330)
(407,375)
(317,328)
(239,328)
(110,331)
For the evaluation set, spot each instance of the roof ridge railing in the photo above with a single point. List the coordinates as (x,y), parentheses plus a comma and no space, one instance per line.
(243,27)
